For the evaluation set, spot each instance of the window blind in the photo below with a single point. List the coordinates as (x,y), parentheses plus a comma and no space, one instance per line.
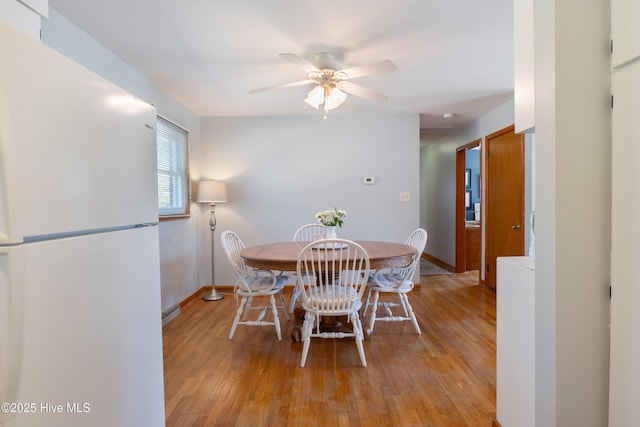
(173,158)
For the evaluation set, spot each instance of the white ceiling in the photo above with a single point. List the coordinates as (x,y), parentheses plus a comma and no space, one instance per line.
(453,56)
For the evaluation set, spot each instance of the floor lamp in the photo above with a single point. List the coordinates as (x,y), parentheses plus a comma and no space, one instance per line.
(212,192)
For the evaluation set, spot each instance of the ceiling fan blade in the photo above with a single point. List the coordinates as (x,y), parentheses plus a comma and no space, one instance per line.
(360,91)
(292,84)
(300,62)
(367,70)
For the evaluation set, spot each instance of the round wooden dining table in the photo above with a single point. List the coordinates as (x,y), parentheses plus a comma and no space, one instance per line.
(283,256)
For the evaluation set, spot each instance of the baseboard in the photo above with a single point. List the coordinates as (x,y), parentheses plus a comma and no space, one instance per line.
(170,314)
(196,294)
(440,263)
(175,311)
(203,290)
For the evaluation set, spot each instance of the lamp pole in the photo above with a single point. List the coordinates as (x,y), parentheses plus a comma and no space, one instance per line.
(212,192)
(213,295)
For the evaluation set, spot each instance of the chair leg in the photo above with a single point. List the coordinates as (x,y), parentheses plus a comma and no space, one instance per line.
(403,304)
(374,309)
(237,318)
(294,297)
(359,337)
(246,312)
(307,327)
(284,304)
(366,304)
(412,315)
(276,319)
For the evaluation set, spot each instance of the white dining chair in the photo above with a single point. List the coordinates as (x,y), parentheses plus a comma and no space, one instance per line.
(395,280)
(306,233)
(332,277)
(252,283)
(310,233)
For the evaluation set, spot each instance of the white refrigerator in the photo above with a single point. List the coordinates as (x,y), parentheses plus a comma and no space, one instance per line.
(80,310)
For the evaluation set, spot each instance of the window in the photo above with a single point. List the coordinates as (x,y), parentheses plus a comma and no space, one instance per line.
(173,169)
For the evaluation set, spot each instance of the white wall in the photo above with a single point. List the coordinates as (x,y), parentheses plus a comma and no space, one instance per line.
(437,183)
(280,171)
(573,211)
(180,240)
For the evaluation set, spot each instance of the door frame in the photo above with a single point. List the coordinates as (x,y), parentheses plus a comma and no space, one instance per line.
(461,236)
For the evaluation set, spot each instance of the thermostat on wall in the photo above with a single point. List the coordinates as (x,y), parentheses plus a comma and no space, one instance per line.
(369,180)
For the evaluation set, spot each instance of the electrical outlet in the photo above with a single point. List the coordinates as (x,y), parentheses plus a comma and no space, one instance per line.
(369,180)
(405,196)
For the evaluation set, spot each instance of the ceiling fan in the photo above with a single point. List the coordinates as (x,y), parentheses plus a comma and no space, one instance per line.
(332,82)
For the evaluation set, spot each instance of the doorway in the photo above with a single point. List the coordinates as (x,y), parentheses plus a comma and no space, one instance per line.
(468,219)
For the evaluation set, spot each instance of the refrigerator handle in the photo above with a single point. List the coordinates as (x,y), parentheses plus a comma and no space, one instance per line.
(11,324)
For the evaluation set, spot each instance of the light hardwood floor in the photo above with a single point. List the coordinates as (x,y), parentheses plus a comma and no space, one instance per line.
(444,377)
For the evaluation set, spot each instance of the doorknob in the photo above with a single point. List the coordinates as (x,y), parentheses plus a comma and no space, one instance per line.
(515,227)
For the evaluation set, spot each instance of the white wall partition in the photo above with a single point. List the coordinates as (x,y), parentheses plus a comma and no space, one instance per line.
(624,378)
(573,212)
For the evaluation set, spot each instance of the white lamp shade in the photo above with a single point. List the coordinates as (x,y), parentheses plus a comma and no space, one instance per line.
(212,192)
(315,97)
(334,99)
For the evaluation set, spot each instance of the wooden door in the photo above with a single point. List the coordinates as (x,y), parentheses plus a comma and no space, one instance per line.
(504,172)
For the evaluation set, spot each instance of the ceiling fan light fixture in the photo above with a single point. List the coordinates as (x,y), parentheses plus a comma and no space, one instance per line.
(315,97)
(334,98)
(331,82)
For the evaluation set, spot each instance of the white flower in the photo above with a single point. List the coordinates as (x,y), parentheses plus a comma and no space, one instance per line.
(332,217)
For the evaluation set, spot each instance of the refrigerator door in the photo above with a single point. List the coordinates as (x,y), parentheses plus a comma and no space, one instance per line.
(76,152)
(92,334)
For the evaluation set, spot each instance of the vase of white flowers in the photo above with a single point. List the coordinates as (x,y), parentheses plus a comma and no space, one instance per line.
(331,232)
(331,219)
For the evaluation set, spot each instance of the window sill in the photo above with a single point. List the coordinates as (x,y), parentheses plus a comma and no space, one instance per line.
(174,217)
